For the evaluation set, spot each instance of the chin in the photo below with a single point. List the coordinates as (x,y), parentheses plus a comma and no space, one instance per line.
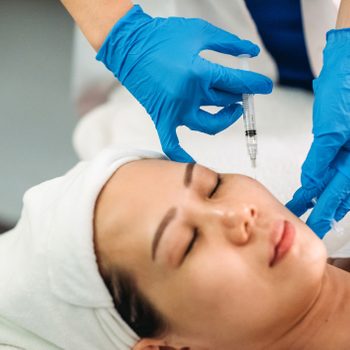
(309,250)
(316,254)
(313,264)
(307,266)
(318,260)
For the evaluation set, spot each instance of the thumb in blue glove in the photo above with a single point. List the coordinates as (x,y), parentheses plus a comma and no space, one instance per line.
(332,194)
(333,204)
(157,60)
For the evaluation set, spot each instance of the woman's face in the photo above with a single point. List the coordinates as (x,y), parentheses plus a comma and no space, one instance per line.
(202,249)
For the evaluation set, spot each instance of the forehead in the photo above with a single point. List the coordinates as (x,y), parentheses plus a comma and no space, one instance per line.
(143,182)
(133,200)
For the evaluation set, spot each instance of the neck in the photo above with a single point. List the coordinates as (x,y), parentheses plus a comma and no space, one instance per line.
(326,324)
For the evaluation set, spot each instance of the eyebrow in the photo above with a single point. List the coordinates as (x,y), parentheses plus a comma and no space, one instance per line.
(171,213)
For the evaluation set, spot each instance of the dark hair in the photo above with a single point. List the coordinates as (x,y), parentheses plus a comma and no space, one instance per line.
(133,307)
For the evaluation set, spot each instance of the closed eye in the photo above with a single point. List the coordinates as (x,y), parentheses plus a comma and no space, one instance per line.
(192,242)
(195,231)
(218,183)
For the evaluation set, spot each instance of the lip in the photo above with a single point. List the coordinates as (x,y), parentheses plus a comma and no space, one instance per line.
(282,238)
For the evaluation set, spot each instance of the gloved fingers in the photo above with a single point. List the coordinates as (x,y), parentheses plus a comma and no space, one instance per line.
(238,81)
(216,97)
(343,209)
(301,202)
(341,164)
(214,123)
(320,156)
(171,147)
(328,203)
(347,146)
(222,41)
(303,198)
(315,175)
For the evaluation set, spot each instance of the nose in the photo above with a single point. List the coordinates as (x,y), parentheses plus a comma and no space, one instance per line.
(237,223)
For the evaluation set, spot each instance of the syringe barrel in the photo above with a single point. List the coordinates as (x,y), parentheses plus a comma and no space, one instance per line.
(249,117)
(248,112)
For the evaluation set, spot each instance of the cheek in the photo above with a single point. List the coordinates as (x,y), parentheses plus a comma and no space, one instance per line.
(256,194)
(225,287)
(309,250)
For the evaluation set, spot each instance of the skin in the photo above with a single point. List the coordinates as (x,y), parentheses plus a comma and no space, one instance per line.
(224,293)
(343,19)
(96,18)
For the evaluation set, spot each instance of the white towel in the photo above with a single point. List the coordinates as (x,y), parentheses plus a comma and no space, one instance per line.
(52,296)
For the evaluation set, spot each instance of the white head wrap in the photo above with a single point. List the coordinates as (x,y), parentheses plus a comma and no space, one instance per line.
(52,295)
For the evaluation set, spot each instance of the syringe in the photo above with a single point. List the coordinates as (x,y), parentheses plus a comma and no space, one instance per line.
(249,118)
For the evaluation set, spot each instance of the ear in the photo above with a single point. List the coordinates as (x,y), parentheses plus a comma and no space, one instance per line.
(153,344)
(150,344)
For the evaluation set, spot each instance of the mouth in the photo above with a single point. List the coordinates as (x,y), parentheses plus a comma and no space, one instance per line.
(282,240)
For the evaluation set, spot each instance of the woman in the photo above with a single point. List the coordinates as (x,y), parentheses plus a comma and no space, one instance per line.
(221,261)
(190,258)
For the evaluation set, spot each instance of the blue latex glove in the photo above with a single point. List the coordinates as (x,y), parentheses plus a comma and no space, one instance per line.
(326,170)
(157,60)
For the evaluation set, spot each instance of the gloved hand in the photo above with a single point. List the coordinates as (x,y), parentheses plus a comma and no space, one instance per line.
(157,60)
(326,171)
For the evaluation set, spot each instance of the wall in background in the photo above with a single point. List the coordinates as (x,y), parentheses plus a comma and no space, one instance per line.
(36,113)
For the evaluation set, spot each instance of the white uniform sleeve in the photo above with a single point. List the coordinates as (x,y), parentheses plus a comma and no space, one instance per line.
(319,16)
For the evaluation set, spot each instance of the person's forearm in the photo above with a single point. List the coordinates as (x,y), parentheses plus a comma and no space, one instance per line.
(343,20)
(96,17)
